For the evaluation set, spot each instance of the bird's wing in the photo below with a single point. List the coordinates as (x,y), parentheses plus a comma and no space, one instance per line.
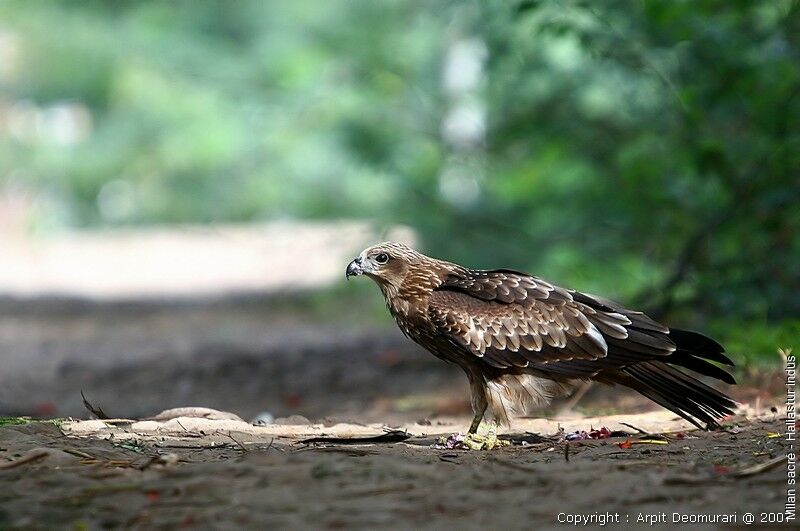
(510,319)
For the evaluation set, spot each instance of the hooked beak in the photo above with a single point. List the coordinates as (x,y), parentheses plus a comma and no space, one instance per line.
(354,268)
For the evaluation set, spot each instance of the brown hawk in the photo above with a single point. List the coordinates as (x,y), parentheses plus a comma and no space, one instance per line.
(523,341)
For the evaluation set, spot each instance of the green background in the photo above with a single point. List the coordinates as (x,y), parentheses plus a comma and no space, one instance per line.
(645,150)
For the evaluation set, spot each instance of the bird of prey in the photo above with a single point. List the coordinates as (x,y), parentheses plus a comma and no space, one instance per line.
(523,341)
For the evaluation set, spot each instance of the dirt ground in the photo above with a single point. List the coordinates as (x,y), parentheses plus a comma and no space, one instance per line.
(225,474)
(266,354)
(300,361)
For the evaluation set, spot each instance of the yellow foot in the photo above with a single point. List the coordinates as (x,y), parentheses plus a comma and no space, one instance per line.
(473,441)
(476,441)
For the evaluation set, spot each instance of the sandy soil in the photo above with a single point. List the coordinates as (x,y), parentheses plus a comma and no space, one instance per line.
(226,474)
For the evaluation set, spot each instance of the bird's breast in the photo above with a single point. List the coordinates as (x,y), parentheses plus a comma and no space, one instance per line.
(410,318)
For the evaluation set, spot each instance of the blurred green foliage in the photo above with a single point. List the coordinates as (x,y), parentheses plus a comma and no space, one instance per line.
(648,150)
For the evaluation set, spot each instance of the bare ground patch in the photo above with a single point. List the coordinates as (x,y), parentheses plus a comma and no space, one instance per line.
(188,472)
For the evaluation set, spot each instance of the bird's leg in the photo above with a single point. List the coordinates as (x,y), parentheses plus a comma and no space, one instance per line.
(473,441)
(476,421)
(575,398)
(487,441)
(478,399)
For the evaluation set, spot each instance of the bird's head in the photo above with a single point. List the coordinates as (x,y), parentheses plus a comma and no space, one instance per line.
(386,262)
(391,264)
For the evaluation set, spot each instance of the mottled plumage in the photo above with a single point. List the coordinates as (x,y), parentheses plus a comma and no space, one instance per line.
(523,341)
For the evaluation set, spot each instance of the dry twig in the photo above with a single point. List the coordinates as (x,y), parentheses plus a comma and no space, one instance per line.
(30,457)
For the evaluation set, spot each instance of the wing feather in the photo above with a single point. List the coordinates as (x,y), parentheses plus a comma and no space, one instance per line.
(510,319)
(513,320)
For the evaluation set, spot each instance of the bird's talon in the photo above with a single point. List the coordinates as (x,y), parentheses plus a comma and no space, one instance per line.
(489,441)
(473,441)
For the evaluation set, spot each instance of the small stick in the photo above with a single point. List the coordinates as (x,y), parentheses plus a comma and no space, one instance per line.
(760,467)
(33,455)
(240,445)
(631,426)
(78,453)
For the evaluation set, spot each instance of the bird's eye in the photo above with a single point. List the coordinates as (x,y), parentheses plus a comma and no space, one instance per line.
(382,258)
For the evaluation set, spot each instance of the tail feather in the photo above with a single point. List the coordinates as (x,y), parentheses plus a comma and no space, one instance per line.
(701,366)
(663,382)
(673,389)
(699,345)
(696,352)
